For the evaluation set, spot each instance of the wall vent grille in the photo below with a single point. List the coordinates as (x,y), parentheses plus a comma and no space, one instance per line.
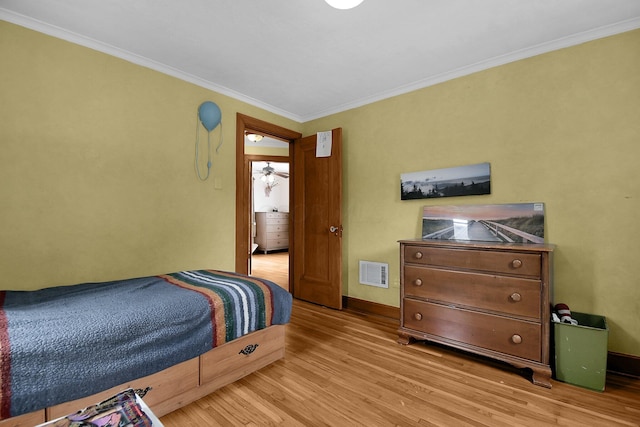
(374,274)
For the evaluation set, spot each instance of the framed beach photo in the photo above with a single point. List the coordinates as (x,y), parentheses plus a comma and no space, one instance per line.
(468,180)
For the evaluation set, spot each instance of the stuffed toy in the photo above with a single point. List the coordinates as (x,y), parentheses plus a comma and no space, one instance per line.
(565,314)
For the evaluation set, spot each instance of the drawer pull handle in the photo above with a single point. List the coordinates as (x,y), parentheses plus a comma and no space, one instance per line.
(515,297)
(417,282)
(516,339)
(516,263)
(418,255)
(417,316)
(248,349)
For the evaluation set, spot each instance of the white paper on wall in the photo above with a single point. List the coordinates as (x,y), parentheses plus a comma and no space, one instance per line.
(323,144)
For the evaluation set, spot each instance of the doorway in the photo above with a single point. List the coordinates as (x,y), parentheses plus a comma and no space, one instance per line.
(315,220)
(270,198)
(246,156)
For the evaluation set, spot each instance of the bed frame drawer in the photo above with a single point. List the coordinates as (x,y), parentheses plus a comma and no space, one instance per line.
(27,420)
(164,386)
(236,356)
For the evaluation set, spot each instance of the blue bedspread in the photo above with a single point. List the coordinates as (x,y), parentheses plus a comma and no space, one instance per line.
(63,343)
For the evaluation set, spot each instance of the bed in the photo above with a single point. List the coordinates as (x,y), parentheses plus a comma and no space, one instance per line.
(183,335)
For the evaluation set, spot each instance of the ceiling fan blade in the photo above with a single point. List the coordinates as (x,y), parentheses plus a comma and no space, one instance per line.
(282,174)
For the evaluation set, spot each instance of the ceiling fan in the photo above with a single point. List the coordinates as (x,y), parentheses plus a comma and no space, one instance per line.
(268,171)
(269,178)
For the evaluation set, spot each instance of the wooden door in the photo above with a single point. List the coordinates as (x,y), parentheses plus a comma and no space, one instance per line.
(316,267)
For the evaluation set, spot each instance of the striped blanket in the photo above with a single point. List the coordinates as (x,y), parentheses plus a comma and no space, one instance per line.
(64,343)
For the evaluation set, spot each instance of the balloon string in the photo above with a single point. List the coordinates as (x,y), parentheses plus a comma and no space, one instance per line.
(220,143)
(209,151)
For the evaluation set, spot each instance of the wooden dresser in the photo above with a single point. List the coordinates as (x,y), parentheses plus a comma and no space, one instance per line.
(272,231)
(491,299)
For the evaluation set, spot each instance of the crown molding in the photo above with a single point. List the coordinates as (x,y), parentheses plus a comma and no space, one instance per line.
(57,32)
(562,43)
(573,40)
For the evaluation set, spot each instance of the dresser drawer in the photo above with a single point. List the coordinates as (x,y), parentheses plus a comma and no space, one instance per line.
(277,243)
(274,228)
(504,294)
(515,337)
(279,235)
(276,215)
(515,263)
(277,221)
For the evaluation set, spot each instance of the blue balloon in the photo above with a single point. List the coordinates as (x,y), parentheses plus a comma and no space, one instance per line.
(210,115)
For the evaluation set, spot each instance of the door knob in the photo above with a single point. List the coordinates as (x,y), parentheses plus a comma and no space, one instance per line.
(335,230)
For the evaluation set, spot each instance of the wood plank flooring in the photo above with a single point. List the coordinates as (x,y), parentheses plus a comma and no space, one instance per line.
(273,266)
(345,369)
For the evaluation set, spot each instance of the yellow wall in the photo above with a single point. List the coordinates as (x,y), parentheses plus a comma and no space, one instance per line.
(561,128)
(97,179)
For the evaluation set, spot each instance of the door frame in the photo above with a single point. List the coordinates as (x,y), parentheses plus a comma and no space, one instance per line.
(243,186)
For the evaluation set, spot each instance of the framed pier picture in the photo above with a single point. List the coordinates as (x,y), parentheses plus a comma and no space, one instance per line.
(518,222)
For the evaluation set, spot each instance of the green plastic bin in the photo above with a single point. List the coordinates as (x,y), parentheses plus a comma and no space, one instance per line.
(581,351)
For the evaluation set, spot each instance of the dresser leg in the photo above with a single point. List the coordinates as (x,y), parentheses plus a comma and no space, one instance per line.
(541,377)
(404,339)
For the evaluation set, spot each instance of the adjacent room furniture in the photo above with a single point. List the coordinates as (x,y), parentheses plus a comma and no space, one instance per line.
(272,231)
(491,299)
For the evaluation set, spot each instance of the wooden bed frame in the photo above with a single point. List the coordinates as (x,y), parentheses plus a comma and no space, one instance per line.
(185,382)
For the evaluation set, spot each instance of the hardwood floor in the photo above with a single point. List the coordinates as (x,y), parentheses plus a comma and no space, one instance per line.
(346,369)
(273,266)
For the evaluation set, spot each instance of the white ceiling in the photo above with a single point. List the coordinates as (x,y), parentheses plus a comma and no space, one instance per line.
(303,59)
